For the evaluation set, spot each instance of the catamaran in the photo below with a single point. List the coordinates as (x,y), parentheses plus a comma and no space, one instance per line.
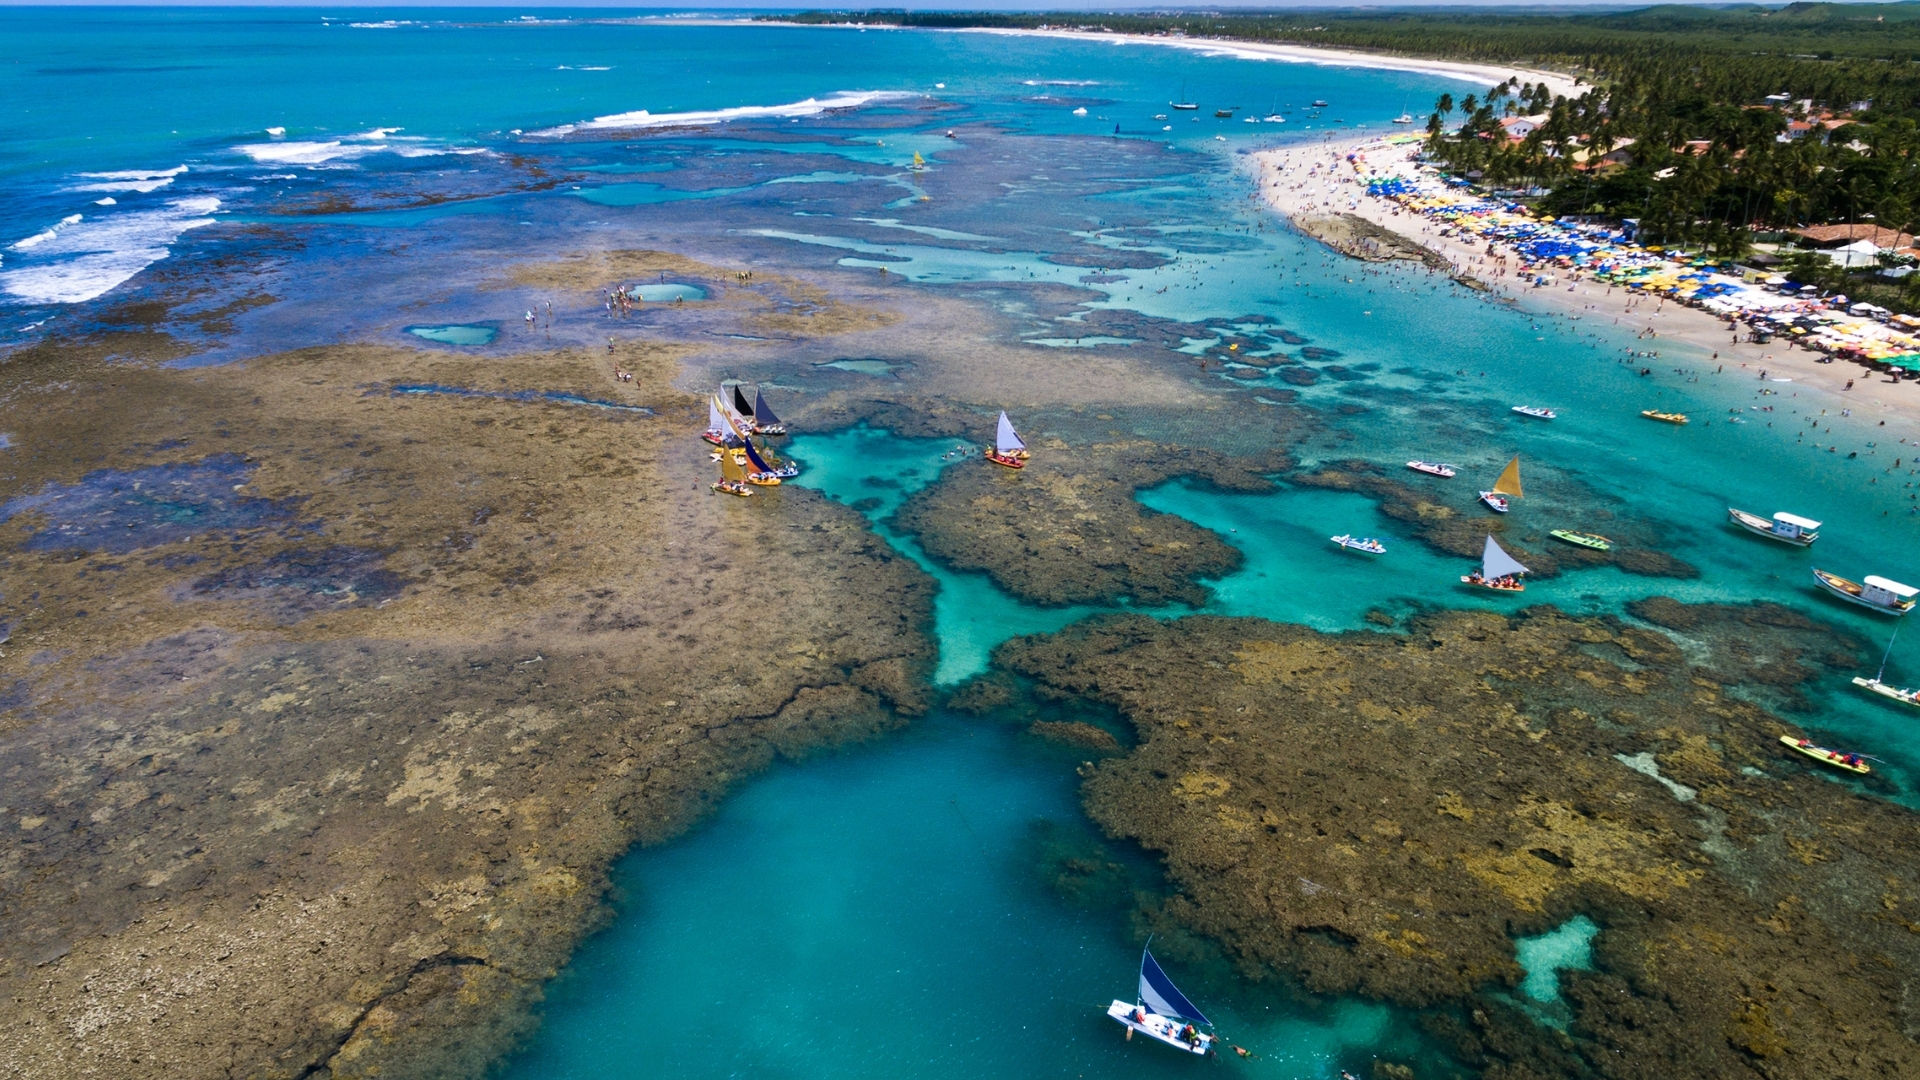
(1853,763)
(764,422)
(1877,686)
(1536,411)
(1433,468)
(1507,487)
(1498,571)
(1786,528)
(1162,1012)
(1008,449)
(1880,594)
(1365,544)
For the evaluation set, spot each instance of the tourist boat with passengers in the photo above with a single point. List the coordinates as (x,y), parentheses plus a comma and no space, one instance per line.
(1008,449)
(1498,571)
(1537,412)
(1877,593)
(1583,539)
(1852,763)
(1433,468)
(1507,487)
(764,422)
(758,472)
(775,466)
(1162,1012)
(1366,544)
(720,430)
(1786,528)
(733,477)
(1664,417)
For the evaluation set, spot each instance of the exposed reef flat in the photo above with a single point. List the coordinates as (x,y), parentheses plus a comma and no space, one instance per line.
(1447,529)
(1384,813)
(1067,529)
(326,707)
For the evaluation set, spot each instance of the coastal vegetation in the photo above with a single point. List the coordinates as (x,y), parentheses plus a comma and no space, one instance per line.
(1712,128)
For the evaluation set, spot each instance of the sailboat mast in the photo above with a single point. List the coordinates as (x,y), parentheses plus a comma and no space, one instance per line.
(1878,675)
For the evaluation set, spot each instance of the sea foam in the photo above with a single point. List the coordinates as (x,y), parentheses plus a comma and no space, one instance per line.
(140,180)
(82,258)
(628,121)
(348,148)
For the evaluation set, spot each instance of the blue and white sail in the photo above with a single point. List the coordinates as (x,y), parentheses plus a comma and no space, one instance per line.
(1158,993)
(1496,563)
(1007,440)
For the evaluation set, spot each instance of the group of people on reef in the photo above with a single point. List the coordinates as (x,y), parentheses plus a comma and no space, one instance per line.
(618,300)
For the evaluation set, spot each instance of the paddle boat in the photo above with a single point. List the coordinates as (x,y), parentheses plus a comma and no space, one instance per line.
(1508,486)
(1162,1012)
(1008,449)
(1878,593)
(1585,540)
(1433,468)
(1366,544)
(1498,571)
(1852,763)
(1664,417)
(1786,528)
(1536,412)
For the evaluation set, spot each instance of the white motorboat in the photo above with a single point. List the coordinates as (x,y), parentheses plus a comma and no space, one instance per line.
(1163,1013)
(1786,528)
(1536,411)
(1433,468)
(1877,593)
(1365,544)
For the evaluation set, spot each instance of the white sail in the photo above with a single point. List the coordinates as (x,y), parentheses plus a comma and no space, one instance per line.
(1007,440)
(731,413)
(1496,563)
(715,420)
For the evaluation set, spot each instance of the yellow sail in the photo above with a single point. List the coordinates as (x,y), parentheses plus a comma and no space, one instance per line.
(918,161)
(730,467)
(1509,482)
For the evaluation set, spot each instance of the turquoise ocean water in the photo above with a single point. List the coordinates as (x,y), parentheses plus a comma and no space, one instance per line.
(882,911)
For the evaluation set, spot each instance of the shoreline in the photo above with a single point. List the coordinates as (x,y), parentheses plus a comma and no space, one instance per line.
(1290,186)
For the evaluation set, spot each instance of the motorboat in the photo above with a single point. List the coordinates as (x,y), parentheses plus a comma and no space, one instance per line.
(1365,544)
(1852,763)
(1433,468)
(1536,411)
(1786,528)
(1664,417)
(1163,1013)
(1878,593)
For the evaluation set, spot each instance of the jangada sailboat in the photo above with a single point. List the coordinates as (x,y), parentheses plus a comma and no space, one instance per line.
(1008,449)
(1498,571)
(763,470)
(1875,685)
(720,430)
(764,422)
(1162,1012)
(733,478)
(1507,487)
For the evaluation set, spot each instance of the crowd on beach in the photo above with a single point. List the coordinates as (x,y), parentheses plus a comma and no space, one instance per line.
(1538,253)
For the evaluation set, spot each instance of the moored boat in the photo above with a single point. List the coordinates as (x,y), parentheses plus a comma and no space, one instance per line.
(759,473)
(1403,118)
(1852,763)
(764,422)
(1877,593)
(1507,487)
(1162,1012)
(1892,693)
(720,430)
(1786,528)
(1008,449)
(1361,543)
(1498,571)
(733,478)
(1433,468)
(1536,411)
(1664,417)
(1581,539)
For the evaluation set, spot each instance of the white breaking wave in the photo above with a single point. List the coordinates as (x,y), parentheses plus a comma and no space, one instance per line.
(1059,82)
(86,258)
(627,121)
(141,180)
(347,148)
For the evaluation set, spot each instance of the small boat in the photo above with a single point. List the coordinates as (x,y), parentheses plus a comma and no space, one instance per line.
(1159,116)
(1319,104)
(1403,118)
(1498,571)
(1008,449)
(1585,540)
(733,478)
(918,161)
(1433,468)
(1852,763)
(1786,528)
(1183,104)
(1508,486)
(720,430)
(1162,1012)
(1905,697)
(1276,118)
(764,422)
(1880,594)
(1664,417)
(1361,543)
(1224,114)
(1536,411)
(759,473)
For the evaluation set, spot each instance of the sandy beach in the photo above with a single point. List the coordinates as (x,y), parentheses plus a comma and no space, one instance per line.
(1316,188)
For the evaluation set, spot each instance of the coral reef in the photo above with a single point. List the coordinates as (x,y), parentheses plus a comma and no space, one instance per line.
(1385,812)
